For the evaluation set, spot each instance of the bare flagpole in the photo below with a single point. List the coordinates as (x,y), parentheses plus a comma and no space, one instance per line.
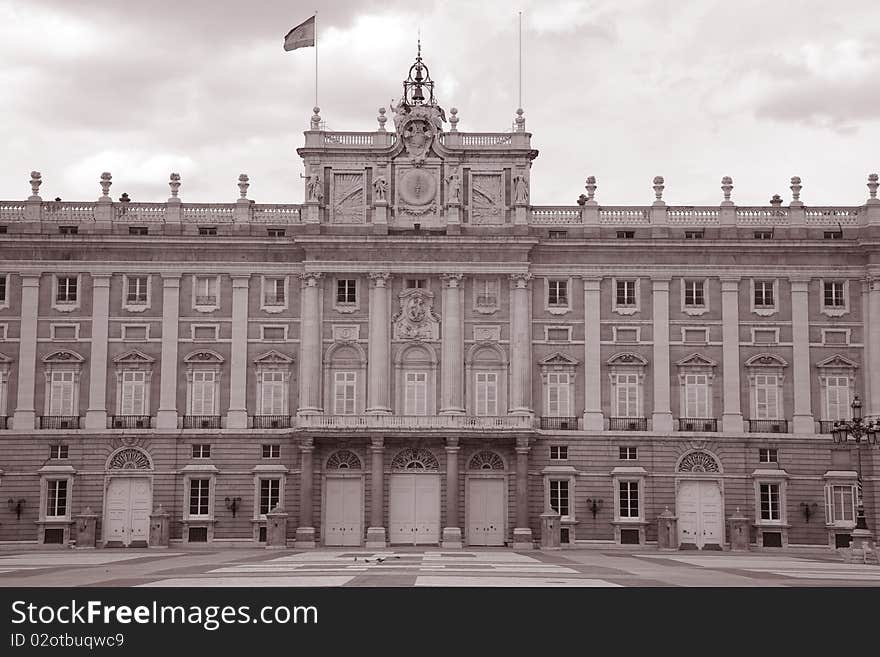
(520,61)
(316,57)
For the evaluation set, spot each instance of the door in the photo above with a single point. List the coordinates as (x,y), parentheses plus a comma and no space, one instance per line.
(414,509)
(486,511)
(343,515)
(700,513)
(129,501)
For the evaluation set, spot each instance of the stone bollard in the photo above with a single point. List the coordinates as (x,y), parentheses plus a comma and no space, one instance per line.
(667,530)
(276,529)
(550,531)
(739,531)
(86,529)
(159,528)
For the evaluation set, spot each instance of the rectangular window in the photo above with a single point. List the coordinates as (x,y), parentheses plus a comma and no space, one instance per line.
(626,234)
(272,393)
(344,393)
(840,503)
(416,394)
(486,392)
(693,293)
(627,395)
(199,491)
(764,294)
(833,294)
(346,290)
(136,294)
(559,496)
(763,234)
(693,234)
(66,289)
(207,230)
(138,230)
(626,293)
(557,394)
(56,498)
(203,393)
(837,393)
(61,394)
(68,230)
(770,502)
(767,455)
(271,451)
(487,293)
(628,453)
(557,293)
(270,494)
(696,395)
(559,452)
(276,232)
(416,283)
(274,292)
(629,499)
(766,397)
(3,288)
(833,235)
(206,290)
(134,393)
(4,230)
(201,451)
(558,234)
(57,451)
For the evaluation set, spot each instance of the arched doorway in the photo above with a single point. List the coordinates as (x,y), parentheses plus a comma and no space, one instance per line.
(486,510)
(414,498)
(128,498)
(343,499)
(699,501)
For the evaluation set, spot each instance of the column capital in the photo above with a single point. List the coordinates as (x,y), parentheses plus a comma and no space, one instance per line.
(377,444)
(311,278)
(591,283)
(101,280)
(730,283)
(452,281)
(521,279)
(240,280)
(522,445)
(379,278)
(799,284)
(30,280)
(452,443)
(171,280)
(872,283)
(307,444)
(660,283)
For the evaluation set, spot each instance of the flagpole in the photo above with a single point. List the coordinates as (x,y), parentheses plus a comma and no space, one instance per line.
(519,76)
(316,58)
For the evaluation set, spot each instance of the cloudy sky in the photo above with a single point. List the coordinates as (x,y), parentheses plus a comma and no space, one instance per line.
(620,89)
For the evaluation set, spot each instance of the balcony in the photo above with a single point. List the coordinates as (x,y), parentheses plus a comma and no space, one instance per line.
(130,422)
(201,421)
(406,422)
(270,422)
(697,424)
(826,426)
(559,423)
(627,424)
(4,424)
(273,299)
(59,422)
(768,426)
(206,300)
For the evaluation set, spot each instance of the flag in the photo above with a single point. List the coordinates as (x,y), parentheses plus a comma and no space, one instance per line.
(301,36)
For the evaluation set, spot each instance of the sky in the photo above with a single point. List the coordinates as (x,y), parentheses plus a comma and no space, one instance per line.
(622,90)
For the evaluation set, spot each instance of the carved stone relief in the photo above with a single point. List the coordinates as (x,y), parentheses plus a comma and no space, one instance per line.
(487,198)
(416,319)
(348,198)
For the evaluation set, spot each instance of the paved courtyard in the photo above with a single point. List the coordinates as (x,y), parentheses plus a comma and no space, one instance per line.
(430,567)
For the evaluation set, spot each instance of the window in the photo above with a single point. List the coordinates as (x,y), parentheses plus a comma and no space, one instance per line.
(833,295)
(766,397)
(346,291)
(626,293)
(559,496)
(207,230)
(557,293)
(276,232)
(61,393)
(4,230)
(416,283)
(486,296)
(56,498)
(3,299)
(763,234)
(558,234)
(201,451)
(68,230)
(629,499)
(840,504)
(344,393)
(770,507)
(486,392)
(626,399)
(767,455)
(416,394)
(57,451)
(693,234)
(833,235)
(558,334)
(273,393)
(274,333)
(203,387)
(273,291)
(205,290)
(138,230)
(764,294)
(199,495)
(270,494)
(837,396)
(558,452)
(558,394)
(67,287)
(696,395)
(136,292)
(628,453)
(271,451)
(693,293)
(626,234)
(134,393)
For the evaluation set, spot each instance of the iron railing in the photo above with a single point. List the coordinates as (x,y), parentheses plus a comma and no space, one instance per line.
(697,424)
(59,422)
(130,422)
(270,421)
(201,421)
(3,422)
(627,424)
(768,426)
(559,423)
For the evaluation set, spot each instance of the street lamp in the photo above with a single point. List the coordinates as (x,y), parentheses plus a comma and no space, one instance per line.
(861,430)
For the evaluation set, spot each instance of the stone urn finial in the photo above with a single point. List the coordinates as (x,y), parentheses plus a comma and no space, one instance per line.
(590,186)
(106,181)
(776,201)
(316,118)
(872,185)
(382,119)
(37,180)
(243,184)
(796,189)
(174,184)
(520,120)
(726,187)
(453,119)
(658,188)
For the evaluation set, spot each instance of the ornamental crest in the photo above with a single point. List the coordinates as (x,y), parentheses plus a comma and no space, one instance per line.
(417,127)
(416,319)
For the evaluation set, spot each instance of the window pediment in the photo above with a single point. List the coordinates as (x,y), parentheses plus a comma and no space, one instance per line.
(627,359)
(837,362)
(766,360)
(558,360)
(697,361)
(63,356)
(133,357)
(273,358)
(204,356)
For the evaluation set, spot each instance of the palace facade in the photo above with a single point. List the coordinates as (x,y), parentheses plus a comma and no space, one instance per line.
(417,355)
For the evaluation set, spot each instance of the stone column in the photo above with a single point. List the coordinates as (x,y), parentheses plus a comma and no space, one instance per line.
(452,530)
(732,419)
(376,530)
(237,416)
(872,347)
(452,348)
(305,533)
(520,346)
(167,415)
(96,413)
(522,533)
(594,420)
(662,415)
(25,415)
(379,343)
(310,345)
(800,328)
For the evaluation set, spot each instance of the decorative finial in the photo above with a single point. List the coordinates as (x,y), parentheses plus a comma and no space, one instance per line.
(658,189)
(727,187)
(520,120)
(174,184)
(453,120)
(125,198)
(590,187)
(316,118)
(796,190)
(243,184)
(776,201)
(106,181)
(872,185)
(381,119)
(37,180)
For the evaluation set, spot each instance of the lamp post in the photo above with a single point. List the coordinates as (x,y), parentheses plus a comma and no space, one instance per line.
(861,430)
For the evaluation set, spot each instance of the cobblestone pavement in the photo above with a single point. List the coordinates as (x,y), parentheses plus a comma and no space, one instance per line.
(430,567)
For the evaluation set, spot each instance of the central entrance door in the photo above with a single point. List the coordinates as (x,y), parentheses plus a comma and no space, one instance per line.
(414,508)
(344,511)
(700,514)
(486,511)
(129,500)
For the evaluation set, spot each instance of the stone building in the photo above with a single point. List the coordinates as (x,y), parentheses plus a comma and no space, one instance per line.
(418,355)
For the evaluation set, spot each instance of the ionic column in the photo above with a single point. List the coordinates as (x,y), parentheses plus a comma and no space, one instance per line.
(305,533)
(452,531)
(236,416)
(25,416)
(452,348)
(522,533)
(520,346)
(96,413)
(167,415)
(872,347)
(378,345)
(800,329)
(376,530)
(594,420)
(732,419)
(310,345)
(662,415)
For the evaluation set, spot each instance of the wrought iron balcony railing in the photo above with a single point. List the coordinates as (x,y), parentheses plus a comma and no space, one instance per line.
(627,424)
(826,426)
(59,422)
(697,424)
(201,421)
(559,423)
(270,422)
(130,422)
(768,426)
(3,422)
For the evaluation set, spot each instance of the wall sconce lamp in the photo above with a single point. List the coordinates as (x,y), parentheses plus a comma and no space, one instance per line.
(809,510)
(15,505)
(232,503)
(594,506)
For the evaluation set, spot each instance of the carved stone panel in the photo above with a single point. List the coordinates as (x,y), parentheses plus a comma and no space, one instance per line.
(417,190)
(348,199)
(416,319)
(487,198)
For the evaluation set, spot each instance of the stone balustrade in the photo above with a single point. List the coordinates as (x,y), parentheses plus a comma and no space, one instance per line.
(420,422)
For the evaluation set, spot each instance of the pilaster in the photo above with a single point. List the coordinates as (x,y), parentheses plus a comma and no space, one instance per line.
(872,337)
(662,415)
(520,346)
(310,401)
(167,415)
(25,415)
(732,419)
(96,413)
(305,533)
(594,419)
(803,416)
(452,530)
(452,348)
(522,533)
(378,345)
(237,416)
(376,531)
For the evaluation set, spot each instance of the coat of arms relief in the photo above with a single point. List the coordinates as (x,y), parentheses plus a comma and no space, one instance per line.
(416,319)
